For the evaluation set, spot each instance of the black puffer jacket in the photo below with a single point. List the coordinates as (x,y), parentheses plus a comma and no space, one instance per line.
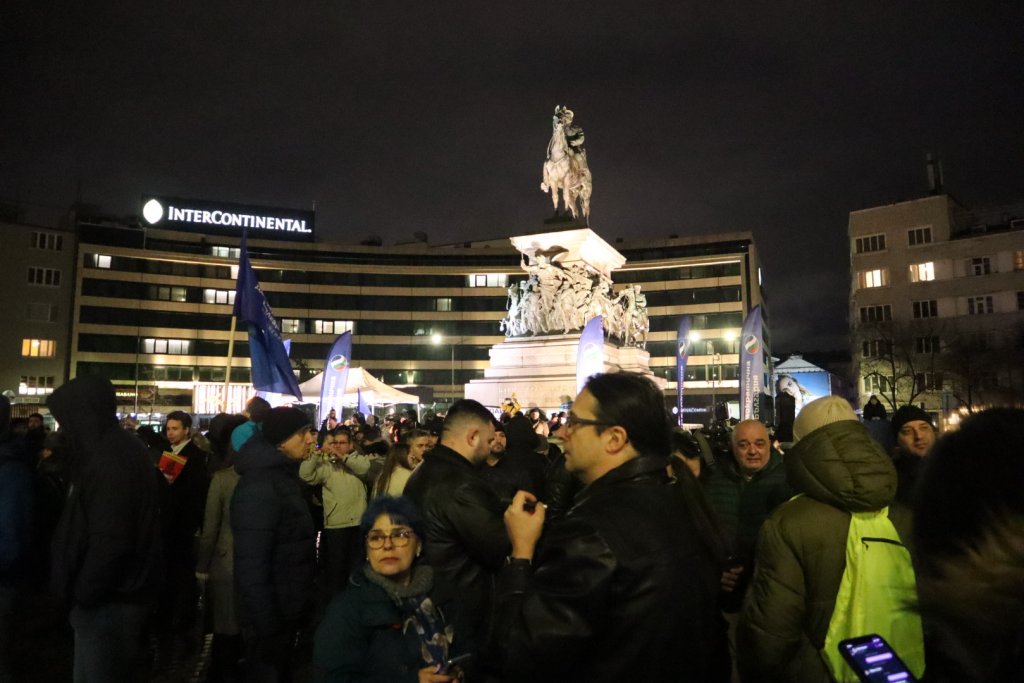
(466,539)
(622,590)
(107,544)
(274,540)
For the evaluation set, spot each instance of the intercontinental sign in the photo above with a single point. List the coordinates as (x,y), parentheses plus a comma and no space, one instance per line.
(218,218)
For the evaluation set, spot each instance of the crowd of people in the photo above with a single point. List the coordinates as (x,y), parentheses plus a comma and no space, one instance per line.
(601,544)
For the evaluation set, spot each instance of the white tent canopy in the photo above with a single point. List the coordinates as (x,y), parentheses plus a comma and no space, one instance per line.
(373,391)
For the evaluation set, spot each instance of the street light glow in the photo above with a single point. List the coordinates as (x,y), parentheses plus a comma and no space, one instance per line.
(436,339)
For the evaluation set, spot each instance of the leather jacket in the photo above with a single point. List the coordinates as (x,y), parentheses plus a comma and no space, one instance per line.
(621,589)
(464,520)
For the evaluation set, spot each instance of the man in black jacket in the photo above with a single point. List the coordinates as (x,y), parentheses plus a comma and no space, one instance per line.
(181,511)
(106,549)
(466,541)
(274,542)
(621,588)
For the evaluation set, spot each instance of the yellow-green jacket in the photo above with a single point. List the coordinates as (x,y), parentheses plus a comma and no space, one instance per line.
(801,551)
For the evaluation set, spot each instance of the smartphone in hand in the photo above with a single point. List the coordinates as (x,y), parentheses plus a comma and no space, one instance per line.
(454,661)
(874,660)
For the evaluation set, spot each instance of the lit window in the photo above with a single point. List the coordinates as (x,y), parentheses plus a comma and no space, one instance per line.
(179,347)
(101,261)
(332,326)
(922,272)
(31,385)
(979,305)
(218,296)
(1018,259)
(926,309)
(918,236)
(291,326)
(487,280)
(38,348)
(226,252)
(870,243)
(979,266)
(879,277)
(47,277)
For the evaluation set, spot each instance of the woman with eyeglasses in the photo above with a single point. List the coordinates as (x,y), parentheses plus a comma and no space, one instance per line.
(396,620)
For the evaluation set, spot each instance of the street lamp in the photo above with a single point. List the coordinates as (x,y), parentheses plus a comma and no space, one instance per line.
(437,340)
(716,365)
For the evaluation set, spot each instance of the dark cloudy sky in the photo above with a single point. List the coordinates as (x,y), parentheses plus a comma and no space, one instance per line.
(402,116)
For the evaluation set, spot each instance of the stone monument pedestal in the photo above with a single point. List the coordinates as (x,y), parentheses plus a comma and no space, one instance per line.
(541,370)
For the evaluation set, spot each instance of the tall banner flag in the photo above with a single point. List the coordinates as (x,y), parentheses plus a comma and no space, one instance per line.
(590,354)
(271,369)
(361,405)
(751,365)
(335,378)
(682,355)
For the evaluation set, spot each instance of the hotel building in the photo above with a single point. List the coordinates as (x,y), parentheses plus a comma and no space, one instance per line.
(152,310)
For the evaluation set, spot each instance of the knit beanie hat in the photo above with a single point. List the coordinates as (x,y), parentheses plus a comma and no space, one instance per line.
(909,414)
(820,412)
(282,423)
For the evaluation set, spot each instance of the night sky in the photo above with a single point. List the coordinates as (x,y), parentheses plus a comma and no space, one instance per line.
(401,116)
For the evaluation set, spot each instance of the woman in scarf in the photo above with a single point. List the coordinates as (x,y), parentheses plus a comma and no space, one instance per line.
(396,621)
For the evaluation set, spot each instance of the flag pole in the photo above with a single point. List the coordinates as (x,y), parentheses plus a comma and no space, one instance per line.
(227,369)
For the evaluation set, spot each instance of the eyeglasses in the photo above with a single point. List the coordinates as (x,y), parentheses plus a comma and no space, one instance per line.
(399,538)
(572,421)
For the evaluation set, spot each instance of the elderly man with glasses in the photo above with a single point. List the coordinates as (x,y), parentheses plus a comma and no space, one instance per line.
(622,588)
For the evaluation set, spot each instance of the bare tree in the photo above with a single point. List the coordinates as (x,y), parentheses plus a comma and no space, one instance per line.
(897,355)
(984,367)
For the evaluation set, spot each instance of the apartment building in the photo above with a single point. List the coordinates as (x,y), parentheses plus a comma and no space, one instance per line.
(937,304)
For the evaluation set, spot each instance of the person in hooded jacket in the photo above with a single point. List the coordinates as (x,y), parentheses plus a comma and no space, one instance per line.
(16,507)
(274,542)
(801,551)
(107,556)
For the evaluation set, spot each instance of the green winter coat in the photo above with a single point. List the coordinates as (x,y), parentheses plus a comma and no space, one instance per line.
(742,506)
(801,551)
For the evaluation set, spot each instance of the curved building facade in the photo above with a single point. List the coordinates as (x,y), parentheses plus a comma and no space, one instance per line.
(152,310)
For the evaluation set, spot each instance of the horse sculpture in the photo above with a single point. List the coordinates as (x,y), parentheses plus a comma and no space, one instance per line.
(566,171)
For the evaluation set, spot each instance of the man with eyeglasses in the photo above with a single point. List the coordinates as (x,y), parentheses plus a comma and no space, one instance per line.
(621,588)
(466,541)
(341,472)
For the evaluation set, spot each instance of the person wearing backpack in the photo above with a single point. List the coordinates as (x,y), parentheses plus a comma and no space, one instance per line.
(799,600)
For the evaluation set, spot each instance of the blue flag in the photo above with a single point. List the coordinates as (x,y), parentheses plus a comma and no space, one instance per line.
(682,355)
(590,353)
(361,405)
(271,369)
(751,365)
(335,378)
